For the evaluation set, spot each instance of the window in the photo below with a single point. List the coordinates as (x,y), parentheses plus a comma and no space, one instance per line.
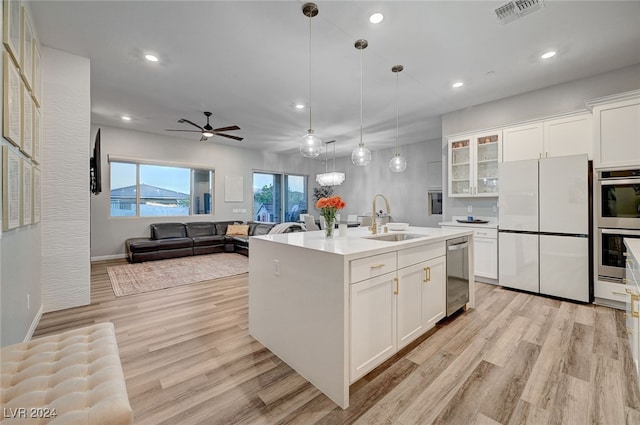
(272,203)
(148,190)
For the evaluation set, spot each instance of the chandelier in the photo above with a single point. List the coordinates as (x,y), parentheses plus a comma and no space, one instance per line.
(333,178)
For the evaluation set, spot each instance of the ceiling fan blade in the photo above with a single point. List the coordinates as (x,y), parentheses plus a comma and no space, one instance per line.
(229,136)
(233,127)
(190,131)
(182,120)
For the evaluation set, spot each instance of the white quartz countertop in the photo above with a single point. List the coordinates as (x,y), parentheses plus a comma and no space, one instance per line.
(492,222)
(357,240)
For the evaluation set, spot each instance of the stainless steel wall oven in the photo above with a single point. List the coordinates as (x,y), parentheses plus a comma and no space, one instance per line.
(617,203)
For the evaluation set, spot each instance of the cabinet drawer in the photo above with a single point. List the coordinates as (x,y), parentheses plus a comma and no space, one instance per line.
(486,233)
(610,291)
(410,256)
(368,267)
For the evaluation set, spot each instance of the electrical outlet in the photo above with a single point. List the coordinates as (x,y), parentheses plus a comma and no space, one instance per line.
(28,301)
(276,267)
(469,209)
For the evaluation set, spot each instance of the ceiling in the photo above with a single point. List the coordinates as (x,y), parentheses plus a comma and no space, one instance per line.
(248,62)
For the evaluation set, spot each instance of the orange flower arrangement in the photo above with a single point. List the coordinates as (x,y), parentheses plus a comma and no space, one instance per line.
(328,208)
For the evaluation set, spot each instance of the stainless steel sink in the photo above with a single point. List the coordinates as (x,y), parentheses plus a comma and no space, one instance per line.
(394,237)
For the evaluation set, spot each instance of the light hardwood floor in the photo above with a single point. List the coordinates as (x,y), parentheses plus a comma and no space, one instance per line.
(514,359)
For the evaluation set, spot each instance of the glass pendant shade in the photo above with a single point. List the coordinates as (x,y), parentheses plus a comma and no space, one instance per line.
(398,164)
(361,156)
(310,145)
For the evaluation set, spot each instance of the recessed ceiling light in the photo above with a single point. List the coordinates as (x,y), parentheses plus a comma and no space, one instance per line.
(548,55)
(299,106)
(125,118)
(151,58)
(457,84)
(376,18)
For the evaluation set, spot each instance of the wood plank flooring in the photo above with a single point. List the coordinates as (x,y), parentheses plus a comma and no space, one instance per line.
(514,359)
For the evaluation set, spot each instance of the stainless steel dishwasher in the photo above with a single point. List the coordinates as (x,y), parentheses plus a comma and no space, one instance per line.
(457,274)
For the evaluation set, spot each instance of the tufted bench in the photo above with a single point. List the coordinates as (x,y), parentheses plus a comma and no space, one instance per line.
(71,378)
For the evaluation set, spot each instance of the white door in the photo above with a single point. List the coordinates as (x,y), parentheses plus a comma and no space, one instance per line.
(410,303)
(434,292)
(518,261)
(518,196)
(564,267)
(564,195)
(373,323)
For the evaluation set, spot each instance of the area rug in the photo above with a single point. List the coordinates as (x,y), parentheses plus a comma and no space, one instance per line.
(136,278)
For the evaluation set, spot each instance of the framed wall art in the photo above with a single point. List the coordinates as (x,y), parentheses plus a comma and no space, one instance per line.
(12,30)
(27,192)
(26,58)
(233,189)
(11,125)
(27,122)
(37,74)
(11,185)
(37,135)
(36,195)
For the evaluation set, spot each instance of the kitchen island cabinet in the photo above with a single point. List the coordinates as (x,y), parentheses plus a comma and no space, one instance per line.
(331,308)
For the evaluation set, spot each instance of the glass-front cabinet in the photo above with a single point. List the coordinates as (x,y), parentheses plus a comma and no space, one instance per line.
(473,164)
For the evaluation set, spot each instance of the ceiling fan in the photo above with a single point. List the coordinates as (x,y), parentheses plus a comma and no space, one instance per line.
(207,131)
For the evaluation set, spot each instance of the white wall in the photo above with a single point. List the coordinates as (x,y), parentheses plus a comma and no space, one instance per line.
(561,98)
(65,174)
(108,234)
(407,191)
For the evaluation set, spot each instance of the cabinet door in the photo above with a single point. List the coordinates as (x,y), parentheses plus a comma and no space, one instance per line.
(460,167)
(434,292)
(522,142)
(569,136)
(487,153)
(373,324)
(485,257)
(410,299)
(617,134)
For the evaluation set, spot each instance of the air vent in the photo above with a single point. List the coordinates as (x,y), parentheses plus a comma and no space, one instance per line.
(516,9)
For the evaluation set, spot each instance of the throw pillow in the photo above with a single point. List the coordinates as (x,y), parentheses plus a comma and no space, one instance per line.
(238,230)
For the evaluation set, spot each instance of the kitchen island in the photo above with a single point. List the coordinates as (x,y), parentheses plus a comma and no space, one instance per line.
(334,309)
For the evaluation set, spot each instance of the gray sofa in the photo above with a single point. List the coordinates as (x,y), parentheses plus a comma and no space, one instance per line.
(171,240)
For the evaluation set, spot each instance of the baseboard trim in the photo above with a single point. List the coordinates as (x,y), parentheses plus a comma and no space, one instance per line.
(109,257)
(34,324)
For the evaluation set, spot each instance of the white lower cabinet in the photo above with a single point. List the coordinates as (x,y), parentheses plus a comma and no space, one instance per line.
(373,323)
(390,311)
(632,289)
(421,298)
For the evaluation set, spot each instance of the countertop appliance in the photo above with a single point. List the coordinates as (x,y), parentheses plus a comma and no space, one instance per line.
(457,273)
(544,232)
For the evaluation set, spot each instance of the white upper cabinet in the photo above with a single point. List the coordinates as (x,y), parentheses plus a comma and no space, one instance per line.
(473,164)
(568,135)
(616,130)
(523,142)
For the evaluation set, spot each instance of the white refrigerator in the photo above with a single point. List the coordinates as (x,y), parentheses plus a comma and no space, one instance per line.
(543,239)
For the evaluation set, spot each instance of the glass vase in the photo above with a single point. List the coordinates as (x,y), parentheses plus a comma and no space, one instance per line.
(328,231)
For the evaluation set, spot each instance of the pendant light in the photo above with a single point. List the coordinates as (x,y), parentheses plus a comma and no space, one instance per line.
(361,156)
(334,178)
(310,144)
(398,163)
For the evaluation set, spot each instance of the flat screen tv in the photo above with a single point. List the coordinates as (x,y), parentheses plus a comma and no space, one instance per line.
(95,167)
